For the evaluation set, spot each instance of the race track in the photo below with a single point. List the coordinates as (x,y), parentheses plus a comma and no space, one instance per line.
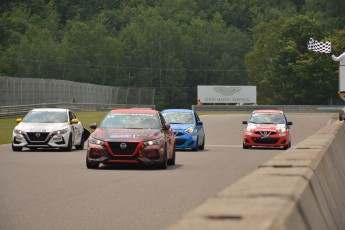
(54,190)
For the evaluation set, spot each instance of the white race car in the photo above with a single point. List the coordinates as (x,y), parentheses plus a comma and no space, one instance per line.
(49,128)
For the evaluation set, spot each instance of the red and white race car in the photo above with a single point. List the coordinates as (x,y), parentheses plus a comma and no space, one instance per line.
(131,136)
(267,128)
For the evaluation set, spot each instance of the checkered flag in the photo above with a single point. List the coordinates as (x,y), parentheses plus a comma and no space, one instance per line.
(322,47)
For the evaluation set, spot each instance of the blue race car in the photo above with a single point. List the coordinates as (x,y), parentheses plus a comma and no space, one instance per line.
(187,127)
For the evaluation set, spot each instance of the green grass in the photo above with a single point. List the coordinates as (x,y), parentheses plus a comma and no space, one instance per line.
(6,129)
(7,125)
(90,117)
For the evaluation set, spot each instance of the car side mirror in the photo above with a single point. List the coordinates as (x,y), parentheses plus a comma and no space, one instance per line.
(244,122)
(93,125)
(289,123)
(74,121)
(199,123)
(18,120)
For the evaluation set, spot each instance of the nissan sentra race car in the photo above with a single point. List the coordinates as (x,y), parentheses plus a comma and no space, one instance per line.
(49,128)
(131,136)
(267,128)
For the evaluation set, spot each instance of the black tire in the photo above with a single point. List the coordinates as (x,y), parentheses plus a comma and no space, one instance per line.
(164,163)
(202,147)
(288,146)
(69,146)
(245,147)
(16,149)
(172,160)
(91,165)
(82,143)
(196,146)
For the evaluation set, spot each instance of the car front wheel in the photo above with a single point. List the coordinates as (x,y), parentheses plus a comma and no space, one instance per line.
(91,165)
(172,160)
(196,145)
(81,145)
(69,146)
(245,147)
(202,147)
(164,163)
(16,149)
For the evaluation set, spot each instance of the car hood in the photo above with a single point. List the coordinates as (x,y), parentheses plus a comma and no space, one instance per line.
(265,127)
(40,127)
(126,134)
(179,127)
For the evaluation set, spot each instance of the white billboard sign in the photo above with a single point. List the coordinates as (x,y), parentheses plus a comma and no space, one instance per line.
(227,94)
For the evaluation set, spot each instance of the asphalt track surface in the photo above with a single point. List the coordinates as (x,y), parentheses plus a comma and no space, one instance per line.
(54,190)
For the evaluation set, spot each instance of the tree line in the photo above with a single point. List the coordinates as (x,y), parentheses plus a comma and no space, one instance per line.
(175,45)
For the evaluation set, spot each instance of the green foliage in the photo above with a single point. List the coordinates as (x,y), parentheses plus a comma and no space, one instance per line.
(173,46)
(282,67)
(7,126)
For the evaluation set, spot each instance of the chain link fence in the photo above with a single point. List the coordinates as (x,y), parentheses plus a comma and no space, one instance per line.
(16,92)
(26,91)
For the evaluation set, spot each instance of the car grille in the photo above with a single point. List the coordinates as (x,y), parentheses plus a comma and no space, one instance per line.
(117,150)
(180,141)
(266,140)
(178,134)
(260,132)
(37,137)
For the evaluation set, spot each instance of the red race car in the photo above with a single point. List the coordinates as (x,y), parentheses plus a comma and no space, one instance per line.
(267,128)
(131,136)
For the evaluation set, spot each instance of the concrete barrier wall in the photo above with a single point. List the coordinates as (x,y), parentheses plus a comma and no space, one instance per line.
(301,188)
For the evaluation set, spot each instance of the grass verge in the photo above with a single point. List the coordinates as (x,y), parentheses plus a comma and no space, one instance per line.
(7,125)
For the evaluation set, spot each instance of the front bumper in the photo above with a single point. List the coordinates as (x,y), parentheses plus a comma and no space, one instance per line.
(275,140)
(40,140)
(110,153)
(185,140)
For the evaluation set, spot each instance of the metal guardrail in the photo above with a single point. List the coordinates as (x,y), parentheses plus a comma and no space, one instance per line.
(21,110)
(285,108)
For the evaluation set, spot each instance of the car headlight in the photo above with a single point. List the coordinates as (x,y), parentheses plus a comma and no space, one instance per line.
(18,131)
(154,142)
(281,129)
(61,131)
(95,141)
(249,129)
(190,129)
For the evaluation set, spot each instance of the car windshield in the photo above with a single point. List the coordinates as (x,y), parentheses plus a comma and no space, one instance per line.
(46,117)
(131,121)
(267,118)
(178,117)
